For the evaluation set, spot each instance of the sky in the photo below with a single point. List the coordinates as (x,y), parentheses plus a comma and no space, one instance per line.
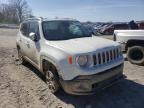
(89,10)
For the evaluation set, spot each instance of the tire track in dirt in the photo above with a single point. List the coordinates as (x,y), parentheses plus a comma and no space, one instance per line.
(20,87)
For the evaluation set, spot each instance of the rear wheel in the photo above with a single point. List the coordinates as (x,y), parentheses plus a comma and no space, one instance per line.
(51,79)
(20,57)
(135,55)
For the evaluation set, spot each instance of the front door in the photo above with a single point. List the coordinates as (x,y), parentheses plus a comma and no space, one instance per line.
(34,46)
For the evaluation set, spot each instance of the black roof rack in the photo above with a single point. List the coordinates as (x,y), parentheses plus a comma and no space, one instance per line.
(39,18)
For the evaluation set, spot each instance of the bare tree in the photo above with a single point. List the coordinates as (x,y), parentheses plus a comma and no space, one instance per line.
(22,9)
(4,10)
(14,11)
(8,14)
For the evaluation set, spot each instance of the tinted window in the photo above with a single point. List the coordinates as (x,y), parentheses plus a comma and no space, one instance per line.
(33,27)
(62,30)
(24,29)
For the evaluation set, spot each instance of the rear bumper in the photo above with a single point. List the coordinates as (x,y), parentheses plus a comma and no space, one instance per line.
(86,85)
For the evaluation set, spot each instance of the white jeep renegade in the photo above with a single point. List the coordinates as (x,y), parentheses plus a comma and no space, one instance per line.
(69,56)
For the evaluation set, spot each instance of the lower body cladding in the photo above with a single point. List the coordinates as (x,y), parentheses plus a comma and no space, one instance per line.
(87,85)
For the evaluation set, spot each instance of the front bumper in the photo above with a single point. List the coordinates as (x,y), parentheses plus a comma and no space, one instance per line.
(86,85)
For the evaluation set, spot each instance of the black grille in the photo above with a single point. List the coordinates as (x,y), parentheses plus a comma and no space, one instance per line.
(105,56)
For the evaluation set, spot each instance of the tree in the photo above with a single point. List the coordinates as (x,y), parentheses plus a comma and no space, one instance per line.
(21,8)
(14,11)
(8,14)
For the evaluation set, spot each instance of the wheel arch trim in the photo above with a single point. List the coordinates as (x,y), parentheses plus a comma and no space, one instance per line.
(53,62)
(133,42)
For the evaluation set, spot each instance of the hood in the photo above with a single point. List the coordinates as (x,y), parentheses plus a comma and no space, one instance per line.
(82,45)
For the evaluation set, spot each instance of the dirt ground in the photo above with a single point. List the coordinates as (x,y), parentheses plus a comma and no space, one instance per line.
(21,85)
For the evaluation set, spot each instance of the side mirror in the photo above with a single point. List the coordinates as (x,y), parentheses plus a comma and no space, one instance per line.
(33,36)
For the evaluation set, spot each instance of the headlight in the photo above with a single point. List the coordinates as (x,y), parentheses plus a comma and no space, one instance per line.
(82,60)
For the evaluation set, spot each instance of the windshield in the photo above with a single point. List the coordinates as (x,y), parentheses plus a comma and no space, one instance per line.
(63,30)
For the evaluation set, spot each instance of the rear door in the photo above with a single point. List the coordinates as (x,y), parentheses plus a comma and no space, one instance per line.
(23,37)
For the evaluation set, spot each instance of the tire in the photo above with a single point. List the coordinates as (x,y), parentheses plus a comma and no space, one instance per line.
(51,80)
(135,55)
(20,57)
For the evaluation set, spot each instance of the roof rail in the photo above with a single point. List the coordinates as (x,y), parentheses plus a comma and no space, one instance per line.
(65,18)
(39,18)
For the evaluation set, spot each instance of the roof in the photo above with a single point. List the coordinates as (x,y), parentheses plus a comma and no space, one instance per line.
(52,19)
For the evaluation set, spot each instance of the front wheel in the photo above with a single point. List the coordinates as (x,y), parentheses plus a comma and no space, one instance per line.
(135,55)
(52,82)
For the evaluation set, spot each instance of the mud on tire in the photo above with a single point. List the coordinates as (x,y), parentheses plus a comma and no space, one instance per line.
(51,78)
(20,57)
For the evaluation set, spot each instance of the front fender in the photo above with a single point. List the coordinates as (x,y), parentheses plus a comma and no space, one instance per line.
(51,60)
(55,56)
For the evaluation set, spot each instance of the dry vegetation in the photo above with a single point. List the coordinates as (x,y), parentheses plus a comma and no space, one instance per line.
(22,87)
(14,11)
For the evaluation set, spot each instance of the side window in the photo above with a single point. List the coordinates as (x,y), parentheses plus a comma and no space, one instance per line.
(34,28)
(24,29)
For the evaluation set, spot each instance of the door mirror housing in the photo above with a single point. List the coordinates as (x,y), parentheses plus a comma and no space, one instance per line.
(33,36)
